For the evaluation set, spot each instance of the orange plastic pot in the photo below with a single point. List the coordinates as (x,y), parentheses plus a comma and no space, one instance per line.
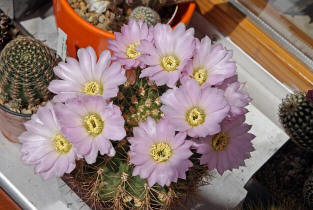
(81,33)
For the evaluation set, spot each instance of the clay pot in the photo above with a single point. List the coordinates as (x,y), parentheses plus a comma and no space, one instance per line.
(12,123)
(81,33)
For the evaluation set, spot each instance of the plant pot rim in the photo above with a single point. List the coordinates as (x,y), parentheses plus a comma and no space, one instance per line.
(95,29)
(5,109)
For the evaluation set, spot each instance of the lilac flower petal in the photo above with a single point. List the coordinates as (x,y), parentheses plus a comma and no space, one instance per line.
(164,173)
(37,129)
(76,77)
(38,147)
(85,63)
(89,144)
(150,71)
(102,64)
(178,43)
(238,147)
(133,32)
(91,156)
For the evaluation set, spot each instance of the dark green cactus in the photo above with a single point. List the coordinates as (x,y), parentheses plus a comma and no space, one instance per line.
(308,191)
(26,69)
(146,14)
(284,174)
(4,30)
(296,116)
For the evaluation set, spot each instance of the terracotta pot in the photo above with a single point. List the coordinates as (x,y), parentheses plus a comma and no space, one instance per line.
(12,123)
(81,33)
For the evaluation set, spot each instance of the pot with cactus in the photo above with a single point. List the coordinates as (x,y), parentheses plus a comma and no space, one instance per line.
(93,22)
(141,132)
(25,71)
(288,174)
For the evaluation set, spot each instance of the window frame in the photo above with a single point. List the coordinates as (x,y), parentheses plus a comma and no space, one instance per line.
(274,56)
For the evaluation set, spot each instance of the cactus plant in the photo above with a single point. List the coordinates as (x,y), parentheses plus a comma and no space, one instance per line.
(109,184)
(25,72)
(308,191)
(285,173)
(145,14)
(4,30)
(296,116)
(155,4)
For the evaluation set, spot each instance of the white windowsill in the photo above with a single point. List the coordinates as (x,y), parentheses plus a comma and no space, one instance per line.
(227,190)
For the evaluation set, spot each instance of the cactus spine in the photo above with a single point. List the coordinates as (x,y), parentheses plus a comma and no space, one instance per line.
(26,69)
(296,116)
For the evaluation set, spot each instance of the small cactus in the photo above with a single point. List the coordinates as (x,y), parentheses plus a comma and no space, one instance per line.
(308,191)
(155,4)
(145,14)
(296,116)
(4,30)
(26,69)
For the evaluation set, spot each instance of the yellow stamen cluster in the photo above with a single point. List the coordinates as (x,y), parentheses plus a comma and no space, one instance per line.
(93,88)
(200,75)
(169,63)
(195,116)
(93,124)
(219,141)
(161,152)
(131,51)
(61,144)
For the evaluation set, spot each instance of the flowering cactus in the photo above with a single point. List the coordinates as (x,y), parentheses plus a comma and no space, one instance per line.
(146,142)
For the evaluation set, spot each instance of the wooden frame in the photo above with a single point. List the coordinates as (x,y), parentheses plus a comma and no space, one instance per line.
(257,44)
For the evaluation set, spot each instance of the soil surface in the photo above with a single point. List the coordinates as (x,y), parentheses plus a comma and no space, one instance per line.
(114,17)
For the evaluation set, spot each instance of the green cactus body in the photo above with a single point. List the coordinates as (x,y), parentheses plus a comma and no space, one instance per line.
(4,30)
(145,14)
(139,101)
(308,191)
(26,69)
(109,184)
(296,116)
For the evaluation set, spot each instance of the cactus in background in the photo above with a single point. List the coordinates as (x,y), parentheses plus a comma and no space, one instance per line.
(285,173)
(296,116)
(145,14)
(26,69)
(4,30)
(308,191)
(155,4)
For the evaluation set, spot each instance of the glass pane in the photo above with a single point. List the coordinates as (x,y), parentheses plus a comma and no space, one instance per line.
(289,21)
